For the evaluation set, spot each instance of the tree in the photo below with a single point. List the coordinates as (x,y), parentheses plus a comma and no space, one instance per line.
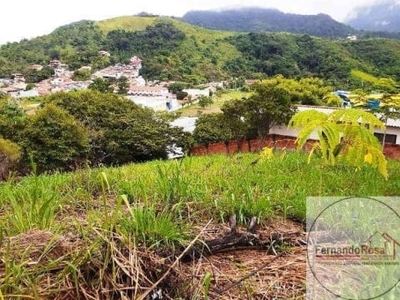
(181,95)
(120,131)
(345,135)
(12,118)
(81,75)
(33,76)
(386,85)
(234,118)
(205,101)
(386,106)
(123,85)
(9,156)
(210,128)
(269,105)
(176,87)
(101,85)
(54,140)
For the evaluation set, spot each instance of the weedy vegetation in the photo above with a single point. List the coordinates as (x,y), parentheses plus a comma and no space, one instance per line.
(119,233)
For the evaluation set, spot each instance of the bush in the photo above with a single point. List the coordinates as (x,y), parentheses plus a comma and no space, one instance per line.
(54,140)
(120,131)
(9,156)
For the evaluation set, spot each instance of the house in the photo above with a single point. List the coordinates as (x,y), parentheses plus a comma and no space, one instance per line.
(104,53)
(352,38)
(251,81)
(139,81)
(11,90)
(117,71)
(136,62)
(36,67)
(55,63)
(157,103)
(392,128)
(150,91)
(195,93)
(188,124)
(29,93)
(18,78)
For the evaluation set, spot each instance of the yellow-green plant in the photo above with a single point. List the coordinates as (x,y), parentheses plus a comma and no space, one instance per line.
(267,153)
(345,135)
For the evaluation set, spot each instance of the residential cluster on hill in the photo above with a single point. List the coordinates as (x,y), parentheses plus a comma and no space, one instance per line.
(153,94)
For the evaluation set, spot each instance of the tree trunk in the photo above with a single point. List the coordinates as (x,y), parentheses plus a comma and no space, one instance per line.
(262,141)
(227,147)
(240,145)
(249,144)
(384,136)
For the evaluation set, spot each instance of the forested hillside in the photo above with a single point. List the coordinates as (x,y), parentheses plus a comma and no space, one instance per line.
(174,50)
(258,19)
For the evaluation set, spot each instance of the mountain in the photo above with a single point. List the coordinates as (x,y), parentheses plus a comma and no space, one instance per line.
(380,16)
(171,49)
(255,19)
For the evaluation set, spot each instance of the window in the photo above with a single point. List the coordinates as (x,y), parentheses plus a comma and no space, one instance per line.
(389,138)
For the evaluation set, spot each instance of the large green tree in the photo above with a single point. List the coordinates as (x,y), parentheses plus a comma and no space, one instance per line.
(270,104)
(12,118)
(234,120)
(210,128)
(54,140)
(120,131)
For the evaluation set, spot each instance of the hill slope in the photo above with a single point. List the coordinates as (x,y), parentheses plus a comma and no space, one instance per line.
(259,19)
(175,50)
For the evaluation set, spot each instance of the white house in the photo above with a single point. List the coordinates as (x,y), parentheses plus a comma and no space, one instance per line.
(158,103)
(392,127)
(197,92)
(187,123)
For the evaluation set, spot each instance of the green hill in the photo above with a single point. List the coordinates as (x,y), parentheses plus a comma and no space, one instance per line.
(175,50)
(257,19)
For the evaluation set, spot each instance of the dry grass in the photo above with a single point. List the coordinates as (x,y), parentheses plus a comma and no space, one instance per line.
(116,269)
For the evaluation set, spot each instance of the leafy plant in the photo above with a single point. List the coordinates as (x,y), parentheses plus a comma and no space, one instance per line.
(344,135)
(205,101)
(55,140)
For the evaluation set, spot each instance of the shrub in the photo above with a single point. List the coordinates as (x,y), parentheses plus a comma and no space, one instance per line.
(9,156)
(55,140)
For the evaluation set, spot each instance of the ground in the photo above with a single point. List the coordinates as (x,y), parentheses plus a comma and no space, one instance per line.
(255,274)
(277,272)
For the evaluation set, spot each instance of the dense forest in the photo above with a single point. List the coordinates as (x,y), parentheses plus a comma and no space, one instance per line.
(174,50)
(256,19)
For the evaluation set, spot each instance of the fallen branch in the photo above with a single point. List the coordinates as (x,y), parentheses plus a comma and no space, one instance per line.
(145,294)
(236,240)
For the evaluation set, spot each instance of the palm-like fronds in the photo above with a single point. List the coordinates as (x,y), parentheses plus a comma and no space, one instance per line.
(344,135)
(356,116)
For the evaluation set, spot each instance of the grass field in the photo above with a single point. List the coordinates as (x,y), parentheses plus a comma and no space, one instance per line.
(219,99)
(109,233)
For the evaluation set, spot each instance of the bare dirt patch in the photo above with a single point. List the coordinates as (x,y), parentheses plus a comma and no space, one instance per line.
(276,272)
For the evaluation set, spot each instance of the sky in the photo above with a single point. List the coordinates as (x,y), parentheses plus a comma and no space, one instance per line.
(21,19)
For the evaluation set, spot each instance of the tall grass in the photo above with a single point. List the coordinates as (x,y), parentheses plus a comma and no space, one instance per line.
(108,212)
